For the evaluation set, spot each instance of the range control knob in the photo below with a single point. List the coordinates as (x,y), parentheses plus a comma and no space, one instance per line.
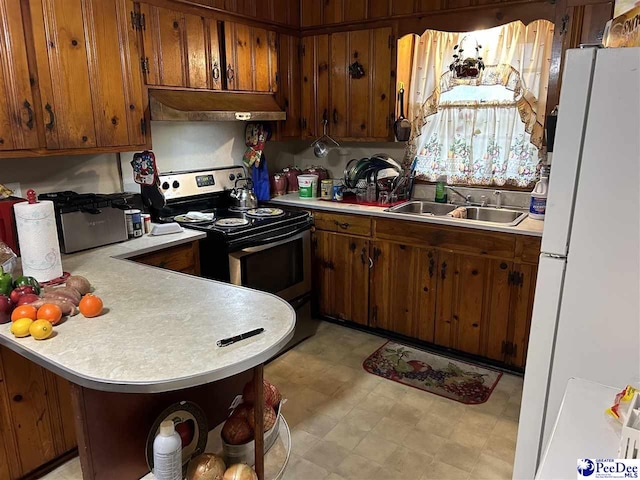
(165,186)
(176,184)
(232,177)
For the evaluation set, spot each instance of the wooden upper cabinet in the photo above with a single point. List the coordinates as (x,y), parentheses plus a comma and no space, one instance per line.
(88,73)
(17,111)
(289,85)
(315,84)
(310,13)
(65,87)
(360,107)
(252,58)
(215,65)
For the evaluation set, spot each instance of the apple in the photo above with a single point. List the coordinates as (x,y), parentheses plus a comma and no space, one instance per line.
(27,298)
(17,292)
(6,306)
(187,431)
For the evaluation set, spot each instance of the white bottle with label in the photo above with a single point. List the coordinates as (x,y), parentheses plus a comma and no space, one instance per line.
(167,453)
(538,204)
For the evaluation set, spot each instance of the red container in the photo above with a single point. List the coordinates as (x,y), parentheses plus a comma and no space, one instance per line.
(8,232)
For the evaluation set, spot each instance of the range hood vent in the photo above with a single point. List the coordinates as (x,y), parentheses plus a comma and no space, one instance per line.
(201,106)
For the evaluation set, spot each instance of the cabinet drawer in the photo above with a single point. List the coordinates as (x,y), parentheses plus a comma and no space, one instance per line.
(181,258)
(351,224)
(464,240)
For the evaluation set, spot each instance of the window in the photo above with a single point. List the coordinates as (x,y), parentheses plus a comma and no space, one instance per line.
(484,129)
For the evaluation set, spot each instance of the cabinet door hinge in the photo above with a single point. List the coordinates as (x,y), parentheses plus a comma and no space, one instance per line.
(138,21)
(374,315)
(302,50)
(391,41)
(516,279)
(143,126)
(144,64)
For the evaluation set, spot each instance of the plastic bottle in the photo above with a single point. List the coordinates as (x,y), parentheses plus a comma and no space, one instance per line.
(538,203)
(441,189)
(167,453)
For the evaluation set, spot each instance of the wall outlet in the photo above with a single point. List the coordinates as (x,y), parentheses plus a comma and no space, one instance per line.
(15,186)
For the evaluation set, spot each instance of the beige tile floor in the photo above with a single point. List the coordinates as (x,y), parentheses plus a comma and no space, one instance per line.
(348,424)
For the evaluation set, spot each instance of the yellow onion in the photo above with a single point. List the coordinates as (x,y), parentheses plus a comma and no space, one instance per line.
(206,467)
(240,471)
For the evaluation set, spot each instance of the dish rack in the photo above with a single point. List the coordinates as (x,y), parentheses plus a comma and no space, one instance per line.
(630,441)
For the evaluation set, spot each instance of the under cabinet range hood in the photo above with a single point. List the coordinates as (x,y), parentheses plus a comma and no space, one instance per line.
(208,106)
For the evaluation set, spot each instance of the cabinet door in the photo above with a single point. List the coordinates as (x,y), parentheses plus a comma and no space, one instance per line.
(497,309)
(115,80)
(261,55)
(311,13)
(332,11)
(164,46)
(403,289)
(289,86)
(342,279)
(360,92)
(238,49)
(17,118)
(382,85)
(339,85)
(402,7)
(28,411)
(521,312)
(197,61)
(315,84)
(61,55)
(471,273)
(355,10)
(215,63)
(378,8)
(445,295)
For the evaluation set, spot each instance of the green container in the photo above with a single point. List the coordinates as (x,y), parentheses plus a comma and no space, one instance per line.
(441,190)
(308,185)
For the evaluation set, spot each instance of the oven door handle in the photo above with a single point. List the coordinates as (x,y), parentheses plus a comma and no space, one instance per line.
(275,241)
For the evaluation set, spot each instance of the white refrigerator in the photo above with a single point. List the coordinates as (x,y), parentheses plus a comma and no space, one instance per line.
(586,315)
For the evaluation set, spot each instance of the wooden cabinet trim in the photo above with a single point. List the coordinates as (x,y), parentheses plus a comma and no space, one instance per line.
(181,258)
(349,224)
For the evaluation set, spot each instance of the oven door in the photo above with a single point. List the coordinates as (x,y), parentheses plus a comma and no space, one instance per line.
(281,266)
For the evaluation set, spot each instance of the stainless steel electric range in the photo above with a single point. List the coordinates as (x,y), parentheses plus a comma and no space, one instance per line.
(264,248)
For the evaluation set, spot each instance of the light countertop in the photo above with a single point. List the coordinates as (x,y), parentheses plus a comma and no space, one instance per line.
(160,328)
(527,227)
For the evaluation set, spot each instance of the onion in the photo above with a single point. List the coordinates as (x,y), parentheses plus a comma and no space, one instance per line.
(249,397)
(206,467)
(269,418)
(240,471)
(236,431)
(242,411)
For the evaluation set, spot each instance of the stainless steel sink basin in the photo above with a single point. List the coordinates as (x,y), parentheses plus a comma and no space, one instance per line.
(495,215)
(500,216)
(416,207)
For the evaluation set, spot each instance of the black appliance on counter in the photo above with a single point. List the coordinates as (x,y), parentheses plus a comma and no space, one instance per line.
(89,220)
(267,249)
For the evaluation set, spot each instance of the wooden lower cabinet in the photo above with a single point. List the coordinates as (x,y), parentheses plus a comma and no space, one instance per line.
(403,289)
(183,258)
(341,276)
(37,423)
(434,284)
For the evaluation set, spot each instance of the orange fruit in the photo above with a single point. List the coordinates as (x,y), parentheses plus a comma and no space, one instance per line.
(50,312)
(24,311)
(90,306)
(41,329)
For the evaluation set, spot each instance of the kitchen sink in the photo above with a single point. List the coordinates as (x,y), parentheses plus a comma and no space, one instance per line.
(495,215)
(423,208)
(501,216)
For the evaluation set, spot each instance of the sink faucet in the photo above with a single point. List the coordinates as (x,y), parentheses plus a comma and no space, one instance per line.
(483,200)
(498,195)
(466,198)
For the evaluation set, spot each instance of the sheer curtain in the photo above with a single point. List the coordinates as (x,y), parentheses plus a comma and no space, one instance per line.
(481,141)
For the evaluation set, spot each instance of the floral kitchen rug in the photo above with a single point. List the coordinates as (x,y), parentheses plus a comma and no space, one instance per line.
(460,381)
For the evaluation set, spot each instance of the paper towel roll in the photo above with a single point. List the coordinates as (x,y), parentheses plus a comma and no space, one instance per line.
(38,238)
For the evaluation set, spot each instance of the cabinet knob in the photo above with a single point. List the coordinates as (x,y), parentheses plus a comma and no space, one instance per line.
(1,141)
(132,107)
(176,24)
(503,266)
(475,325)
(383,97)
(85,138)
(17,398)
(74,42)
(363,126)
(114,120)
